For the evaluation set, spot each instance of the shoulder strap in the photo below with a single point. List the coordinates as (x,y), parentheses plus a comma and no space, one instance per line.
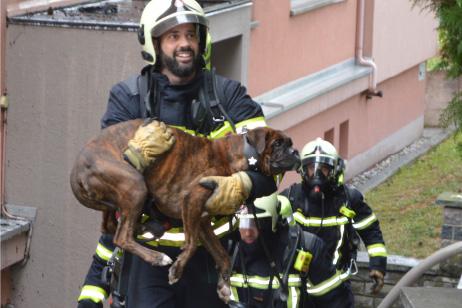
(213,94)
(149,94)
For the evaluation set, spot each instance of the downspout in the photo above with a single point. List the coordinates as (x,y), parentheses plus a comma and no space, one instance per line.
(360,59)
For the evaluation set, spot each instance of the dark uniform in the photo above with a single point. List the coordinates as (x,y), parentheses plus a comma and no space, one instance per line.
(149,284)
(335,219)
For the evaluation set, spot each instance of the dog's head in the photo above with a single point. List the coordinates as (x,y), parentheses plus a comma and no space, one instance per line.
(274,150)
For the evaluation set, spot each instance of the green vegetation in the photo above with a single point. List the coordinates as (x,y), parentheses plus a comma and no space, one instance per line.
(449,13)
(405,204)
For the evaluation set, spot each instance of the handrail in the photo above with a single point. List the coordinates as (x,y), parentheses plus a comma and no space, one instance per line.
(415,273)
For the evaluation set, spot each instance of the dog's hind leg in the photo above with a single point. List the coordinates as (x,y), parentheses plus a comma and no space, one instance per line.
(220,256)
(122,185)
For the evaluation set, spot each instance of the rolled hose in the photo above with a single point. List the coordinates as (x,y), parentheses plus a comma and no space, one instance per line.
(415,273)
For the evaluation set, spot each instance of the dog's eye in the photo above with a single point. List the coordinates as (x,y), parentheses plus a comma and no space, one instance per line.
(277,143)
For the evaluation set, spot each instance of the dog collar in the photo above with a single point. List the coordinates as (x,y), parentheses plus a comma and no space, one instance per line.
(250,154)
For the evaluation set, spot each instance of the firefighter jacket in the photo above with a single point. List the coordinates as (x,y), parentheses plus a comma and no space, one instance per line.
(254,282)
(337,219)
(173,106)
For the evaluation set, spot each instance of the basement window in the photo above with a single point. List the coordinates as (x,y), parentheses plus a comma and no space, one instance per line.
(298,7)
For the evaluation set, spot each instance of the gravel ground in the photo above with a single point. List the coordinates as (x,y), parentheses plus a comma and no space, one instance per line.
(390,165)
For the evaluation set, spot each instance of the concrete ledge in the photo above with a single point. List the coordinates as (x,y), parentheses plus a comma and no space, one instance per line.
(300,91)
(298,7)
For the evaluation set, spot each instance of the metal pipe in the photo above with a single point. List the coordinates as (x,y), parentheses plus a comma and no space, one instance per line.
(372,91)
(415,273)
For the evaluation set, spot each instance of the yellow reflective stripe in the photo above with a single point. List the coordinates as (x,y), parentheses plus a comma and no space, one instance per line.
(234,295)
(377,250)
(224,130)
(188,131)
(327,285)
(94,293)
(250,124)
(366,222)
(345,211)
(175,238)
(258,282)
(293,299)
(316,221)
(103,252)
(339,244)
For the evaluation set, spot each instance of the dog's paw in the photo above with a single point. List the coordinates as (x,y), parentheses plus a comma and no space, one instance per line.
(173,276)
(161,259)
(224,293)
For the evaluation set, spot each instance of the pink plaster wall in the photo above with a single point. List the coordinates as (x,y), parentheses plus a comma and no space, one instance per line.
(370,121)
(285,48)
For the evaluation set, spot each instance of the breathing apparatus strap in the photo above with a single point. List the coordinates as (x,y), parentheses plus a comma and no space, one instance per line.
(213,99)
(269,257)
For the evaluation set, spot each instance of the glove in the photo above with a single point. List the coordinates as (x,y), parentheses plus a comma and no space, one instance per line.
(150,141)
(229,192)
(377,276)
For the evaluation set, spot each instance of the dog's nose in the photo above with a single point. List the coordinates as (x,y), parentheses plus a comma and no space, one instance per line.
(296,157)
(296,154)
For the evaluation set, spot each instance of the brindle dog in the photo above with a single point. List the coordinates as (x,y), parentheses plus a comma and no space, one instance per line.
(102,180)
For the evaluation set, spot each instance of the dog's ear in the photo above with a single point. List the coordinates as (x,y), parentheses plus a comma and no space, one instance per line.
(257,138)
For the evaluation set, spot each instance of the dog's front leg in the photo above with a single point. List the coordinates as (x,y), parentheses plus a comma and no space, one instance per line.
(220,256)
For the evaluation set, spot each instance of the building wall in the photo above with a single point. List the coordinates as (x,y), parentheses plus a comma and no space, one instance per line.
(58,82)
(285,48)
(368,123)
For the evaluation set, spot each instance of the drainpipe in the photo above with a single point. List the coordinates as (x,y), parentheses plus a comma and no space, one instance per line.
(360,59)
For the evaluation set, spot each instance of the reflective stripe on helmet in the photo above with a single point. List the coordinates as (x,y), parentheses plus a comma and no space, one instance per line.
(94,293)
(318,221)
(377,250)
(103,252)
(366,222)
(328,284)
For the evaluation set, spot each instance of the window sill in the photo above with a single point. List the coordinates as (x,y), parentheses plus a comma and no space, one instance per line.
(302,6)
(15,233)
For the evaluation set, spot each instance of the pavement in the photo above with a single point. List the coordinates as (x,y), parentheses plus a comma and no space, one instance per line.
(381,171)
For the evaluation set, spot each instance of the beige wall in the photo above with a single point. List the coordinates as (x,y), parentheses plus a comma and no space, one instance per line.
(58,83)
(285,48)
(402,38)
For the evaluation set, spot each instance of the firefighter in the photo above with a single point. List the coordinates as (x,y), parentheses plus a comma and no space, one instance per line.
(324,205)
(173,88)
(274,258)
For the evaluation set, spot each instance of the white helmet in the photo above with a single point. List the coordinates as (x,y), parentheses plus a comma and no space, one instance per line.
(160,16)
(321,152)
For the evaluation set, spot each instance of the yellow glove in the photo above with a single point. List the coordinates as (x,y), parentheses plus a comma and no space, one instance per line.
(229,192)
(150,141)
(377,276)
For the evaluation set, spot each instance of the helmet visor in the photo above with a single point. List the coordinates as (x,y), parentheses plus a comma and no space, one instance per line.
(174,21)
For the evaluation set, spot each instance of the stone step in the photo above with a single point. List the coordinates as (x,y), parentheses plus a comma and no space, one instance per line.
(430,297)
